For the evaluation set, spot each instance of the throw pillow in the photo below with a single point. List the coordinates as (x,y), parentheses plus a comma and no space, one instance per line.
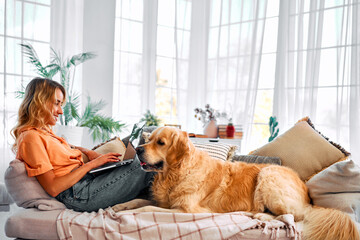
(5,198)
(257,159)
(113,145)
(27,191)
(220,151)
(338,187)
(303,149)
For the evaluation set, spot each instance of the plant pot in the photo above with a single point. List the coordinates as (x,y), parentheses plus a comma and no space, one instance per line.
(78,136)
(72,134)
(211,129)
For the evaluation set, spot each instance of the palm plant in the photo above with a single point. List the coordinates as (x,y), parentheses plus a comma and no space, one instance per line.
(67,69)
(100,126)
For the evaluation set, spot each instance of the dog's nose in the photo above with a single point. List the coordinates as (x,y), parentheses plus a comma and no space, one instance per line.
(139,150)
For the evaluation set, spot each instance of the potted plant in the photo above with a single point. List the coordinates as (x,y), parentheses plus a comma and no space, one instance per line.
(208,117)
(100,127)
(150,119)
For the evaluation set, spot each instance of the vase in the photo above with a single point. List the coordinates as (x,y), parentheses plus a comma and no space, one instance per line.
(230,131)
(211,129)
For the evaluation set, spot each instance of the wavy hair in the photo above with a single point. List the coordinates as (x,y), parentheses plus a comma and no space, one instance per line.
(35,108)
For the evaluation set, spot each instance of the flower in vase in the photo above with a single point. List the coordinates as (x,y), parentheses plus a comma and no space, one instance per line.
(208,114)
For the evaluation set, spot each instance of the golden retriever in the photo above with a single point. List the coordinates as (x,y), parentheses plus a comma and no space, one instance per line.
(190,181)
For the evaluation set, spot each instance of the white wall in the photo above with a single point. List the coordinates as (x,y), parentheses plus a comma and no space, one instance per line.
(98,37)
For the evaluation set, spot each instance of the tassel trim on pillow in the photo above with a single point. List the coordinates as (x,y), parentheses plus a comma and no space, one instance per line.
(338,146)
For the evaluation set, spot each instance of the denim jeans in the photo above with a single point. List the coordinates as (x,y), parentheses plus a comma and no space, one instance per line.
(95,191)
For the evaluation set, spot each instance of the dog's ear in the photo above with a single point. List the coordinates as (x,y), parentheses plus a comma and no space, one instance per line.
(179,147)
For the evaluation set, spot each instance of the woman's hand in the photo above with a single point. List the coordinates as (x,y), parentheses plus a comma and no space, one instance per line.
(105,158)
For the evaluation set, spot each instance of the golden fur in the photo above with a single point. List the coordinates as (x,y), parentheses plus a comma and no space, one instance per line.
(188,180)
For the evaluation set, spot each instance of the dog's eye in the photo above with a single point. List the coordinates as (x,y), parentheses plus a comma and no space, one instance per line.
(160,142)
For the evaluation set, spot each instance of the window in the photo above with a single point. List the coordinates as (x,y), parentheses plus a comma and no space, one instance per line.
(172,57)
(128,60)
(241,62)
(321,66)
(21,22)
(152,41)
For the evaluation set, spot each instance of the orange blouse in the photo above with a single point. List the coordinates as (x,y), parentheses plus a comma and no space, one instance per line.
(43,151)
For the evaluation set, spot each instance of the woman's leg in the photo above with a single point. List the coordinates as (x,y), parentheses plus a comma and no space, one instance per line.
(107,189)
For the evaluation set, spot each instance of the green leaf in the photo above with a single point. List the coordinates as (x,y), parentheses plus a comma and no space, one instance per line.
(79,58)
(102,127)
(32,57)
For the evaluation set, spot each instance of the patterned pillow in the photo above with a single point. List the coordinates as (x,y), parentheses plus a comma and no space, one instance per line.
(257,159)
(220,151)
(304,149)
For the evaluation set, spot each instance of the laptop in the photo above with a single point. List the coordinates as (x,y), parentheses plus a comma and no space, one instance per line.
(111,165)
(128,158)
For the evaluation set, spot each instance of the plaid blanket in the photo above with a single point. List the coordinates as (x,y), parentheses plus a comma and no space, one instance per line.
(106,224)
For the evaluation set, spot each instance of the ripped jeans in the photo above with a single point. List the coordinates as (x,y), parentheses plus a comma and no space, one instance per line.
(107,189)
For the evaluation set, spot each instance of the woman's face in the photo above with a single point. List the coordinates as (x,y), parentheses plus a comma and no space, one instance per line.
(56,108)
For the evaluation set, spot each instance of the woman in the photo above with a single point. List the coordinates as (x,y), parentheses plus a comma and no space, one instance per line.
(58,166)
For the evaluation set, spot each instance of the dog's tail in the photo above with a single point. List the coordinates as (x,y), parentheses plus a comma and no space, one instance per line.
(329,224)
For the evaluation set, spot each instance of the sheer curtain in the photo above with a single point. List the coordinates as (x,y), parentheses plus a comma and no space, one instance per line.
(67,32)
(236,33)
(317,68)
(151,59)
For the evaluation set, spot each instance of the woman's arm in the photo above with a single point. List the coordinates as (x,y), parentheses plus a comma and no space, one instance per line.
(54,185)
(89,153)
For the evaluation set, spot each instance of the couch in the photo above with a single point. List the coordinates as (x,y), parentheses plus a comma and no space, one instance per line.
(331,175)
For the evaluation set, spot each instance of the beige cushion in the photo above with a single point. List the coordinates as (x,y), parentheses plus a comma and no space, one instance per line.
(5,198)
(220,151)
(303,149)
(113,145)
(27,191)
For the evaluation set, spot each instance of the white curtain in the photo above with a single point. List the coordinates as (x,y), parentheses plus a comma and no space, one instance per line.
(67,32)
(317,68)
(197,64)
(236,33)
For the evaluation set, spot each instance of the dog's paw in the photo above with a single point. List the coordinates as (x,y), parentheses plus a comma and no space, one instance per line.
(248,214)
(263,216)
(136,203)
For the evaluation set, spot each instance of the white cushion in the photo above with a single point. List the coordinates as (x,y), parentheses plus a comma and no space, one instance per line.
(338,186)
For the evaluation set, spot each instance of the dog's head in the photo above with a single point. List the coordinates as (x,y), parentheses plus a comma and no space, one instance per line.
(166,147)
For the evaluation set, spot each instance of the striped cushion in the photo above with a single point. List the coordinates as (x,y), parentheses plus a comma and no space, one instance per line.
(257,159)
(220,151)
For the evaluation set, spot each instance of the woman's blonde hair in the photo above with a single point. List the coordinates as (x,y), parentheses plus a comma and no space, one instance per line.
(35,107)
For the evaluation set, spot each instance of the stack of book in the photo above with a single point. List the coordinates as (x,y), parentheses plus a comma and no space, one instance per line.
(222,131)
